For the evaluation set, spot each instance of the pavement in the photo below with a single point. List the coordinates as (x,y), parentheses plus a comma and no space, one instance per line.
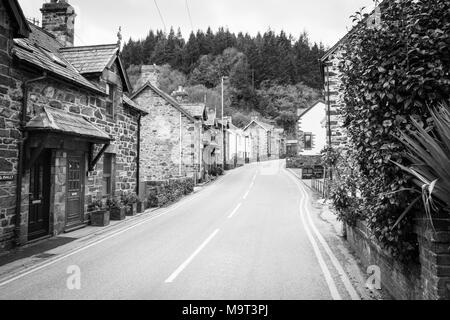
(255,234)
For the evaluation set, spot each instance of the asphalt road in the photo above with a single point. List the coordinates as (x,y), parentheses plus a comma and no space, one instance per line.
(247,236)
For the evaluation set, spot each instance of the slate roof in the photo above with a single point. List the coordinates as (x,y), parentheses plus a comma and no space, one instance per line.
(133,105)
(41,49)
(263,125)
(196,110)
(165,96)
(54,120)
(23,29)
(90,59)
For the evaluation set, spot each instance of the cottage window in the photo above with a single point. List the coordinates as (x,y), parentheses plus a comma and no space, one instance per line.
(110,90)
(308,141)
(108,161)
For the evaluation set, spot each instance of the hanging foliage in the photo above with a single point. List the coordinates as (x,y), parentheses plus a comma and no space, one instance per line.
(392,71)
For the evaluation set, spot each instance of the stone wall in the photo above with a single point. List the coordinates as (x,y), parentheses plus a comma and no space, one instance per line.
(9,117)
(162,154)
(335,97)
(259,143)
(300,162)
(427,279)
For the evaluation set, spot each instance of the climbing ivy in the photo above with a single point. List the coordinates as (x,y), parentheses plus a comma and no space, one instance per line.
(392,70)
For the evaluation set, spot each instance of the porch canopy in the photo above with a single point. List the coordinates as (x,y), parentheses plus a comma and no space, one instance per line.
(58,129)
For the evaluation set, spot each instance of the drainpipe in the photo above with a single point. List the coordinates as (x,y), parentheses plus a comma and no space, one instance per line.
(21,147)
(138,158)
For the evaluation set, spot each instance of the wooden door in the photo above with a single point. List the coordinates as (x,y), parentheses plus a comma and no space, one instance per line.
(75,191)
(39,209)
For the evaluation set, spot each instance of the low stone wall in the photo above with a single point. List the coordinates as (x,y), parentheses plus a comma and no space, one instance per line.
(164,192)
(402,282)
(303,161)
(428,279)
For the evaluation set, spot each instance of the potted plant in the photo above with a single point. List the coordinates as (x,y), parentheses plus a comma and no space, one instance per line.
(117,209)
(141,206)
(130,202)
(99,214)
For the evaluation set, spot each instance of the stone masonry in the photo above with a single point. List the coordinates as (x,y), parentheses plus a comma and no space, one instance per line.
(60,95)
(169,138)
(335,98)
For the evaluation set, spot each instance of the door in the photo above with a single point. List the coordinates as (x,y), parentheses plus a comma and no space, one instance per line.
(39,210)
(75,188)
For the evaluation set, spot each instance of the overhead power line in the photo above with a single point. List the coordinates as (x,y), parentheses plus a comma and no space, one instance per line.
(160,16)
(189,15)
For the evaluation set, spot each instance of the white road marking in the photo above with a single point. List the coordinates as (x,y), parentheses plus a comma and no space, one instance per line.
(348,286)
(94,243)
(246,194)
(343,275)
(183,266)
(326,272)
(234,211)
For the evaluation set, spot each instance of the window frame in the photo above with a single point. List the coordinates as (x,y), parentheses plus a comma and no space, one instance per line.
(108,178)
(110,100)
(310,135)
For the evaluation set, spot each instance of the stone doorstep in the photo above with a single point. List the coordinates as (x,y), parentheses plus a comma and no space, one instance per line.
(31,255)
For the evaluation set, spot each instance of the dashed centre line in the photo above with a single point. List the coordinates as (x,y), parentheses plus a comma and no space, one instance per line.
(234,211)
(183,266)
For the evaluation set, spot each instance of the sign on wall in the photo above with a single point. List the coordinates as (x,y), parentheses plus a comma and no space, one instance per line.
(7,177)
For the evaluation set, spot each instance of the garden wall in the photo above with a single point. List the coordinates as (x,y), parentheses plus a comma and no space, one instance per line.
(164,192)
(303,161)
(427,279)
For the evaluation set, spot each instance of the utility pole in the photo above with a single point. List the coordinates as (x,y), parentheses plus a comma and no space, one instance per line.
(223,124)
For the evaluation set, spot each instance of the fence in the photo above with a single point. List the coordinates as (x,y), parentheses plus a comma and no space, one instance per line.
(321,186)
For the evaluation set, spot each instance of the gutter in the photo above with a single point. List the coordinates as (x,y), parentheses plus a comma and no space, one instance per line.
(21,147)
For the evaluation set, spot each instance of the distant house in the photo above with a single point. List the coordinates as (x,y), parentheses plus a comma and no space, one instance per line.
(68,133)
(171,135)
(267,141)
(236,147)
(312,133)
(212,144)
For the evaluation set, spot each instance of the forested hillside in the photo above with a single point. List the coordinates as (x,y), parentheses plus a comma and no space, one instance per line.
(268,75)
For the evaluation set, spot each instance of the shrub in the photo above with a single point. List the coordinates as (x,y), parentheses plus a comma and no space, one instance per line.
(391,73)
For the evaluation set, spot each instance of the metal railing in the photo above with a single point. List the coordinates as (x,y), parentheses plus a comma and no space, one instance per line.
(321,186)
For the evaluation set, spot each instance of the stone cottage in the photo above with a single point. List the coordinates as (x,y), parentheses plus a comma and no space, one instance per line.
(267,141)
(68,134)
(171,136)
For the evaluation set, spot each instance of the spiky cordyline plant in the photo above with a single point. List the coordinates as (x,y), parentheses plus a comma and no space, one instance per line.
(429,154)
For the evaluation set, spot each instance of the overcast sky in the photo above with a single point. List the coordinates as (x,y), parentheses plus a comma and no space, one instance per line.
(98,20)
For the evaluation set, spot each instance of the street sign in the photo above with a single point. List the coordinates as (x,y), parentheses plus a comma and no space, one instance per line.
(9,177)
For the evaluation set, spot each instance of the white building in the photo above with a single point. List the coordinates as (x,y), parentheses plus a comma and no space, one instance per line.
(312,129)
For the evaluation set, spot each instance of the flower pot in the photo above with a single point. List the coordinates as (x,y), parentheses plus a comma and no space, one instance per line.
(100,218)
(118,214)
(132,209)
(140,207)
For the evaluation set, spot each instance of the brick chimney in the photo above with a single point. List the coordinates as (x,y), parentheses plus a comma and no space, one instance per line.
(58,18)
